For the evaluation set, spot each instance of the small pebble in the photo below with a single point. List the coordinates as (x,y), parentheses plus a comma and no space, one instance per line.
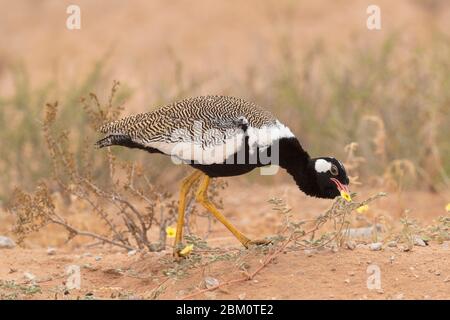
(211,282)
(98,258)
(418,241)
(131,253)
(6,243)
(29,276)
(351,245)
(310,252)
(376,246)
(242,296)
(51,251)
(392,244)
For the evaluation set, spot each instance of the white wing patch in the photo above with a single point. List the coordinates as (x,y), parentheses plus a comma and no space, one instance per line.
(193,151)
(322,165)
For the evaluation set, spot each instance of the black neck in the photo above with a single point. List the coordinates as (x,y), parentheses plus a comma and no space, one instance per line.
(297,163)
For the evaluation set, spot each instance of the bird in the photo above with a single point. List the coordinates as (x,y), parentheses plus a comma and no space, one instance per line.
(224,136)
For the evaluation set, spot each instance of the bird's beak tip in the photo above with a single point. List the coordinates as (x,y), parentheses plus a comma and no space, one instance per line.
(341,187)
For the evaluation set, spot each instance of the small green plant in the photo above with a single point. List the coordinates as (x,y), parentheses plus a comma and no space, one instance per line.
(10,290)
(409,230)
(440,231)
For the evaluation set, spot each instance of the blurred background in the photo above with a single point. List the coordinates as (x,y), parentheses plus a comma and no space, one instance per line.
(379,100)
(313,63)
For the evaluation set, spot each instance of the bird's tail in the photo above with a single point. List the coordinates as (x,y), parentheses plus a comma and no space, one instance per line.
(113,140)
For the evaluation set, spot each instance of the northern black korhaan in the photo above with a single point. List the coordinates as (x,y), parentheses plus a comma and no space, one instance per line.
(220,137)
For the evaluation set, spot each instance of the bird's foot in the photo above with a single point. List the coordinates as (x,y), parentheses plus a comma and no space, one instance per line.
(176,255)
(181,251)
(258,242)
(176,252)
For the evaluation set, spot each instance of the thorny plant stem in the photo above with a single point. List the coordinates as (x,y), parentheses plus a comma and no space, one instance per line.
(89,234)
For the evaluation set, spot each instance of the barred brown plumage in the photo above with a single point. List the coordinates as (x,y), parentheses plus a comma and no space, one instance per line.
(224,136)
(206,129)
(214,112)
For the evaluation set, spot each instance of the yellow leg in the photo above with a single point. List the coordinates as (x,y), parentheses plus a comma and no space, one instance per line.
(201,197)
(185,187)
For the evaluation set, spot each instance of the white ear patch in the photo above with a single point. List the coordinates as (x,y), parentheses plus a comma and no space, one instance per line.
(322,165)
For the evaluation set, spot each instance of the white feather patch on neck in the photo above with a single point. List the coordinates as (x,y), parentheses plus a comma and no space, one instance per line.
(264,136)
(322,165)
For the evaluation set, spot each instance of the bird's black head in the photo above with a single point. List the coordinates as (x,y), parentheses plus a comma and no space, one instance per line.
(330,177)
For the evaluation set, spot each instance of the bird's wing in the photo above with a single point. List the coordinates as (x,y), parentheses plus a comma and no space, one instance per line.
(205,141)
(205,129)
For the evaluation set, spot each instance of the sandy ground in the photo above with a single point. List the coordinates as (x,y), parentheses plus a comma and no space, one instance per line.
(423,273)
(106,272)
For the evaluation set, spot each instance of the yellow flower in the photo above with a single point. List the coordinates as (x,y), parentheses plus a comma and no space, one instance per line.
(187,250)
(346,196)
(447,207)
(171,231)
(362,209)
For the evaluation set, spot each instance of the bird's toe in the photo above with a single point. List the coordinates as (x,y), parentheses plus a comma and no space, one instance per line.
(259,242)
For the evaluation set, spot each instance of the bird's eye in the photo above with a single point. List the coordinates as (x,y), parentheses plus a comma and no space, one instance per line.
(334,170)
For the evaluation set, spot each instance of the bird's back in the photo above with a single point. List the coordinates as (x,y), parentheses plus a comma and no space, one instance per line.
(212,112)
(194,126)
